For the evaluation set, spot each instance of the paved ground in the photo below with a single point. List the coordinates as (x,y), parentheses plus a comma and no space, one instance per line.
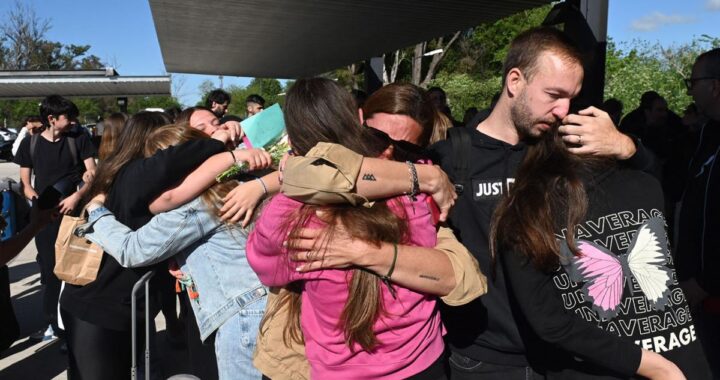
(25,360)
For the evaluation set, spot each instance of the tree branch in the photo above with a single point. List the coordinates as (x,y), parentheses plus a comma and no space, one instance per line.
(437,58)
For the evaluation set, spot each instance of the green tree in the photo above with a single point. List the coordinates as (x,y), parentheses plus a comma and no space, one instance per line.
(465,91)
(14,111)
(643,67)
(471,72)
(24,46)
(205,87)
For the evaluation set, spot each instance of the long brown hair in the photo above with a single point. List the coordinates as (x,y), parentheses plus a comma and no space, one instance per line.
(548,194)
(319,110)
(113,126)
(409,100)
(130,145)
(174,134)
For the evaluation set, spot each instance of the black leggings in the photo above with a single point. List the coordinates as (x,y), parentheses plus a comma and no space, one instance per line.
(95,352)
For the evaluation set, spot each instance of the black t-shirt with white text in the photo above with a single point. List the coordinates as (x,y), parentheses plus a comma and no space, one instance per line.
(590,317)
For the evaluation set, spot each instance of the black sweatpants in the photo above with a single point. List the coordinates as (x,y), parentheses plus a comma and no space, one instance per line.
(50,284)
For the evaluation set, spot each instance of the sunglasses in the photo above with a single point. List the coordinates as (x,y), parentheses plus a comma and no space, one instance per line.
(402,150)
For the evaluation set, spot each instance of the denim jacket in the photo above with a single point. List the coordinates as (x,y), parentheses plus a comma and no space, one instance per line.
(211,252)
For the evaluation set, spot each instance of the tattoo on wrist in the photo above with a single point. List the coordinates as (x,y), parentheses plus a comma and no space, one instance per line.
(368,177)
(429,277)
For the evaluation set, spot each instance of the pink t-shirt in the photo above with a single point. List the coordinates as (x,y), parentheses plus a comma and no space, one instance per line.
(410,335)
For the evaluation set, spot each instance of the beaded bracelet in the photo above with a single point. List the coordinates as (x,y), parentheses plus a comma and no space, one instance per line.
(265,190)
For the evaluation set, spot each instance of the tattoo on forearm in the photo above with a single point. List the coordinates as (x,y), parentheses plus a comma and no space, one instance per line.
(429,277)
(368,177)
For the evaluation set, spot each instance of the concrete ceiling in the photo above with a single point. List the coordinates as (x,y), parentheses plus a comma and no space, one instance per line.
(298,38)
(86,83)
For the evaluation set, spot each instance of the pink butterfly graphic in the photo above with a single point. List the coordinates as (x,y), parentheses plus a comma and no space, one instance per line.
(606,274)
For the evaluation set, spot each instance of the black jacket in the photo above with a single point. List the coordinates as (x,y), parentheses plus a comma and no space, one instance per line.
(106,301)
(698,230)
(485,329)
(590,317)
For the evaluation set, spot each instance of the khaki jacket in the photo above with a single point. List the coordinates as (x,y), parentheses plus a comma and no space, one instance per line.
(333,182)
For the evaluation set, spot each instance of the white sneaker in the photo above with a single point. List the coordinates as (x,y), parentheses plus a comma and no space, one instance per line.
(42,335)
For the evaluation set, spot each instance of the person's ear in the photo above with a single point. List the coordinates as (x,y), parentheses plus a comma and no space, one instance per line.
(51,120)
(514,81)
(361,116)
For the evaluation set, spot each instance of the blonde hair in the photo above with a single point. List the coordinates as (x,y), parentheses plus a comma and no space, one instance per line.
(440,130)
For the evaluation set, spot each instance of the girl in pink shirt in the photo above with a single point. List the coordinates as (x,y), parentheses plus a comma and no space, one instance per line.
(354,325)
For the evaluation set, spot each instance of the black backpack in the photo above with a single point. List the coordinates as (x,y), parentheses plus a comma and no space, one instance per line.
(461,145)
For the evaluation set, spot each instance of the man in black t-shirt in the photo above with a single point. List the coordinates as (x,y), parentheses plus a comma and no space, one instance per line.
(58,157)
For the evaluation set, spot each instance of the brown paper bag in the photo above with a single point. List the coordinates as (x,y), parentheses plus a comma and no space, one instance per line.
(77,260)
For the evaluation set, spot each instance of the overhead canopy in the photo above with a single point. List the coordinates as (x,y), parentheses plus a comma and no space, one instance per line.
(37,84)
(291,38)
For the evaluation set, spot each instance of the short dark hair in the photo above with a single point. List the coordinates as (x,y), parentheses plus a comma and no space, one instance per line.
(528,47)
(255,98)
(31,119)
(712,62)
(437,96)
(218,96)
(56,105)
(648,99)
(612,105)
(173,112)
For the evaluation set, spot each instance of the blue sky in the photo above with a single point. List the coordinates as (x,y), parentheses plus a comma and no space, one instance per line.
(122,33)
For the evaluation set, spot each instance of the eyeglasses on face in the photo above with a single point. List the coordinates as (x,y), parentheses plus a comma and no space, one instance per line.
(689,82)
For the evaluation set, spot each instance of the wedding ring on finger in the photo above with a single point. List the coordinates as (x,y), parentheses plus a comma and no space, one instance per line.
(579,139)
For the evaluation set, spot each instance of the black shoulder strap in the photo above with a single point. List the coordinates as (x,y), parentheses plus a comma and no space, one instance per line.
(461,146)
(33,145)
(73,149)
(72,145)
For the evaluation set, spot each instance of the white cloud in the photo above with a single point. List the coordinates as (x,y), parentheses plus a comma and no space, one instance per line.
(712,5)
(655,20)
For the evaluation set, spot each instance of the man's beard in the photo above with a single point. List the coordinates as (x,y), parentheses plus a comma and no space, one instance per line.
(522,119)
(219,112)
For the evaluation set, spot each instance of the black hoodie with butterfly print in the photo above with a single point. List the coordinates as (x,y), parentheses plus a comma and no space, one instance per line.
(591,317)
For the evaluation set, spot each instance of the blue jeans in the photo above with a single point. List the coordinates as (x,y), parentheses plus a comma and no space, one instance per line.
(235,343)
(462,367)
